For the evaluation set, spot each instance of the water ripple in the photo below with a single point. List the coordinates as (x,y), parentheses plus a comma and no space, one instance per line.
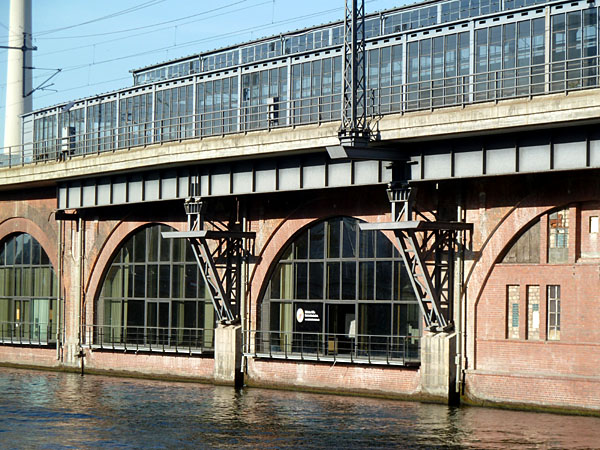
(44,410)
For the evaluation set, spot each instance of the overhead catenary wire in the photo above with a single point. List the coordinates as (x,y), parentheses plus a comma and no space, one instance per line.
(98,19)
(88,65)
(108,33)
(197,41)
(109,16)
(154,31)
(180,45)
(83,86)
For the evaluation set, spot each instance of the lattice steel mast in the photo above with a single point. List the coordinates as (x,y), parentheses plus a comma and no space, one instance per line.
(354,131)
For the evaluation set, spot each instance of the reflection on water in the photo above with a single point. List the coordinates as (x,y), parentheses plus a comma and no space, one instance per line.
(56,410)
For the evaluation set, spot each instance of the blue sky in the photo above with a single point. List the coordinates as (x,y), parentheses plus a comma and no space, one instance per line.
(97,43)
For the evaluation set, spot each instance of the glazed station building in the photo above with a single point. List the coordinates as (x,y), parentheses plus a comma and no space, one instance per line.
(208,223)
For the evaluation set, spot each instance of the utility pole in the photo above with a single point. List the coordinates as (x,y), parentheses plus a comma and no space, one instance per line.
(18,73)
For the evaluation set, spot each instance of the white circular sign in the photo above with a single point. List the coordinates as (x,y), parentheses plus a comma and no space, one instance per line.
(300,315)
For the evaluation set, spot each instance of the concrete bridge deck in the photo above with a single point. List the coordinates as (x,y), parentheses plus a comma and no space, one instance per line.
(395,130)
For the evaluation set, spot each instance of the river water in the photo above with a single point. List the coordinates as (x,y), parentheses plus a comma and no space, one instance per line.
(48,410)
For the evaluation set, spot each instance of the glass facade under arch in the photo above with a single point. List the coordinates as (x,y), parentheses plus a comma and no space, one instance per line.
(28,292)
(153,295)
(339,291)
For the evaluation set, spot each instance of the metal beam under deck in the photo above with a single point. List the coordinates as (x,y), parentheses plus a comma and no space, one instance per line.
(506,153)
(313,171)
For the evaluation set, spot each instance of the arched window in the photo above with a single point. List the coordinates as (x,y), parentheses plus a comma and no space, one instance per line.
(153,296)
(526,248)
(338,291)
(28,292)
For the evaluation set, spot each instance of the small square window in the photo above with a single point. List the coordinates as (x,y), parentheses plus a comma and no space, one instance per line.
(594,224)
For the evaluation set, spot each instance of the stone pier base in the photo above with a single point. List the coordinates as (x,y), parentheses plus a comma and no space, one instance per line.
(228,355)
(438,367)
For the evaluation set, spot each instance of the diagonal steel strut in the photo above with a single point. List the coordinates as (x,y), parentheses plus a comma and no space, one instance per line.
(221,267)
(218,295)
(427,251)
(421,280)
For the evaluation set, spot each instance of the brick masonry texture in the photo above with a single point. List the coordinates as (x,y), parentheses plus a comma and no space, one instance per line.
(522,369)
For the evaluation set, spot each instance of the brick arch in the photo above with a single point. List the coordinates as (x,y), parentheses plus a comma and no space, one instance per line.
(509,227)
(111,245)
(284,233)
(23,225)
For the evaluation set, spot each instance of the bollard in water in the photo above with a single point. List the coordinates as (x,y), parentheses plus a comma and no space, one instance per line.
(81,355)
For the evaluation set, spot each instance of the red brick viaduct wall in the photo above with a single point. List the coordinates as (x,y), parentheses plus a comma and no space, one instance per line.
(557,373)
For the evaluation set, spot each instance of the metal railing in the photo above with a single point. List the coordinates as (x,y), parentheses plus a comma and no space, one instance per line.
(27,333)
(149,339)
(361,348)
(440,92)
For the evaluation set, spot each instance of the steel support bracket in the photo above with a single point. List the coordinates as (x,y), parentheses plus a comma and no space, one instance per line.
(219,253)
(427,249)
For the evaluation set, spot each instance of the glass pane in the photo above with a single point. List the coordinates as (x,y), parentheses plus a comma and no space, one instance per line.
(153,243)
(341,327)
(384,280)
(333,238)
(349,280)
(139,243)
(403,289)
(406,320)
(178,249)
(367,244)
(19,249)
(317,236)
(10,251)
(2,281)
(177,282)
(301,280)
(372,319)
(152,281)
(301,246)
(9,282)
(164,281)
(139,274)
(333,281)
(366,280)
(44,258)
(384,246)
(112,283)
(282,282)
(27,282)
(127,252)
(27,249)
(165,245)
(349,238)
(316,280)
(191,281)
(17,285)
